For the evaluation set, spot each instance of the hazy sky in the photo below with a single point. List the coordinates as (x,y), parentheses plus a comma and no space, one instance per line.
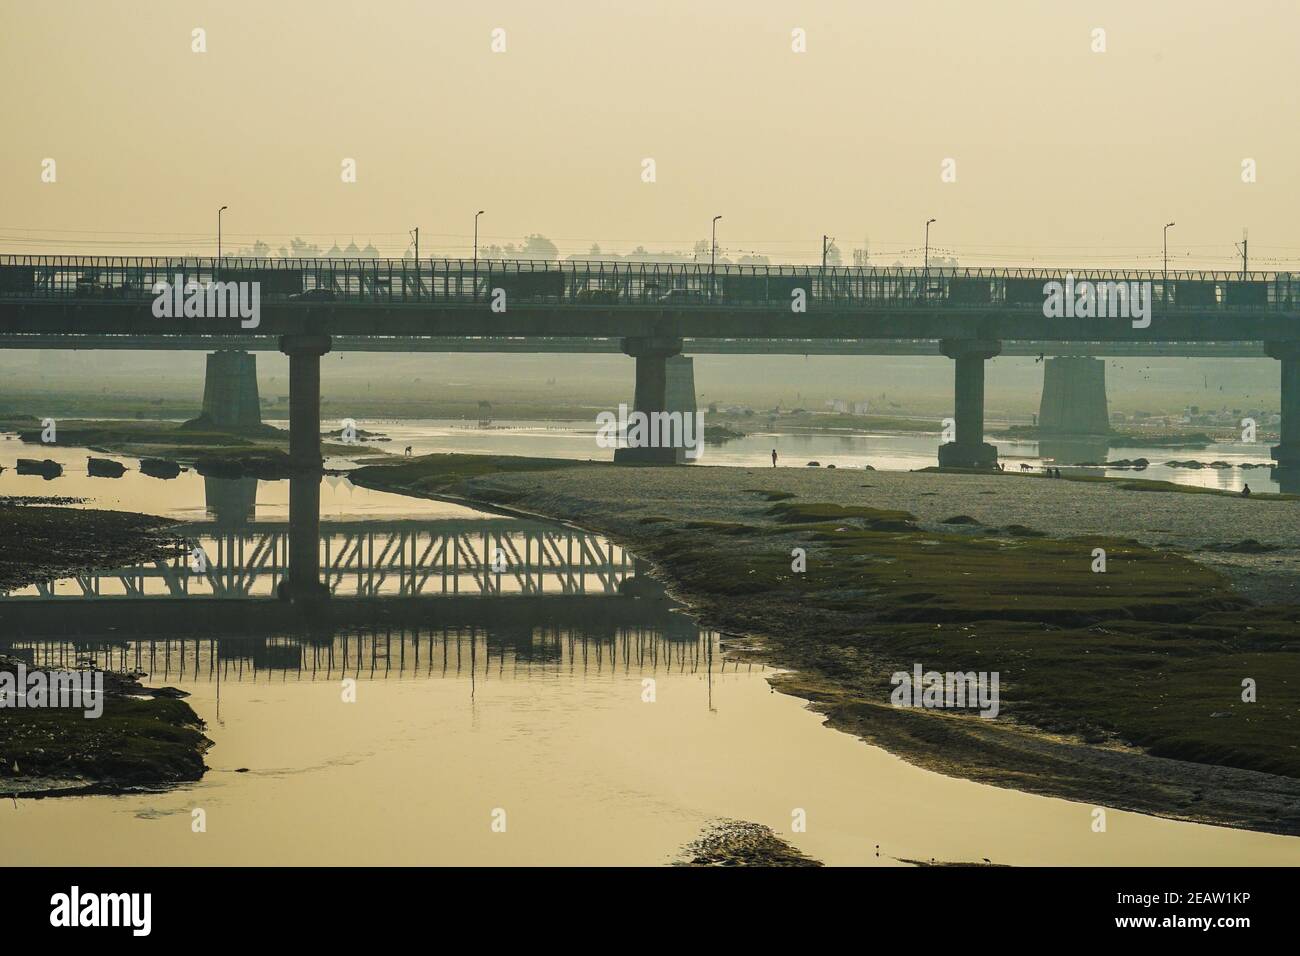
(1062,155)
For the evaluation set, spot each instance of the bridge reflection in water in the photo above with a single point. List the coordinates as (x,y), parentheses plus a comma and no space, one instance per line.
(398,598)
(368,558)
(391,653)
(236,556)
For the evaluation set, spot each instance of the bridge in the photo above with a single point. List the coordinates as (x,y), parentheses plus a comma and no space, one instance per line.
(403,652)
(487,557)
(409,558)
(651,310)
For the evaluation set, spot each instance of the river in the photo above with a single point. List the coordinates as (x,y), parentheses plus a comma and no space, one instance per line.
(476,692)
(884,451)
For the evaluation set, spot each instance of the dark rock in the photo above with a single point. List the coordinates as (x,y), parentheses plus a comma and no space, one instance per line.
(159,468)
(46,468)
(104,468)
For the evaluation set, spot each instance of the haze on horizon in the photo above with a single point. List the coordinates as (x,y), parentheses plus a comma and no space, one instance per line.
(1063,156)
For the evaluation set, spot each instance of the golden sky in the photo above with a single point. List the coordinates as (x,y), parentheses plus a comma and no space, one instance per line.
(1063,155)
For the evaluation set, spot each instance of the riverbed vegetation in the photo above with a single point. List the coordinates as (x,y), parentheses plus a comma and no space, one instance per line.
(138,741)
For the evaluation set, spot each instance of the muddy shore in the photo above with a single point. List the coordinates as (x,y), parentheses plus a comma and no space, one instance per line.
(1120,689)
(142,738)
(45,540)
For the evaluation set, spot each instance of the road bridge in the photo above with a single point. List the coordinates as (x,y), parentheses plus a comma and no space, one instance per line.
(652,310)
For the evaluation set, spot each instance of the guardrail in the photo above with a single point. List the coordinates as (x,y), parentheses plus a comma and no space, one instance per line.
(601,284)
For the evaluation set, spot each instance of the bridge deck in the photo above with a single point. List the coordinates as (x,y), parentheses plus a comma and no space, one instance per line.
(402,299)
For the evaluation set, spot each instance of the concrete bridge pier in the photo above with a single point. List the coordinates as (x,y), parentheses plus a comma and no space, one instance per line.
(302,583)
(1287,451)
(970,450)
(653,378)
(232,502)
(1074,398)
(304,353)
(230,399)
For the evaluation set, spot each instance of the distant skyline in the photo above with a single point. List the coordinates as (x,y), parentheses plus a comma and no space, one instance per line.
(1062,155)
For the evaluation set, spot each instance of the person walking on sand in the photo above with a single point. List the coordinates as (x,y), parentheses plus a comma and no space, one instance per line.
(773,457)
(1245,492)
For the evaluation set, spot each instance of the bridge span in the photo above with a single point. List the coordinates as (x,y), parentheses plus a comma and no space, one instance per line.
(308,307)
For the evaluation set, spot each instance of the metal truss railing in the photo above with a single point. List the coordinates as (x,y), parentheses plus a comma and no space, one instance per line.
(610,285)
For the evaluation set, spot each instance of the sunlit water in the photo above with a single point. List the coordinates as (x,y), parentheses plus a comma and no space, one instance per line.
(884,451)
(468,712)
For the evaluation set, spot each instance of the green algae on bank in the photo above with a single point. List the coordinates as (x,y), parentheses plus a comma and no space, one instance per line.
(137,742)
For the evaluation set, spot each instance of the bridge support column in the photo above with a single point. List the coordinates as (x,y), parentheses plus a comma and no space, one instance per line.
(230,399)
(652,380)
(303,583)
(304,353)
(1287,452)
(970,450)
(1074,397)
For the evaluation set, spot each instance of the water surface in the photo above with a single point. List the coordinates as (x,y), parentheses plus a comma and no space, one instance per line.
(523,690)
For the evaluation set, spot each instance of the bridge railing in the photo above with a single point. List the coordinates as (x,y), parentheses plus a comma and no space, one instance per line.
(406,558)
(601,284)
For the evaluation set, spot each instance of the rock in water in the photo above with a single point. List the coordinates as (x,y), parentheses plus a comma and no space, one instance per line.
(104,468)
(46,468)
(738,843)
(159,468)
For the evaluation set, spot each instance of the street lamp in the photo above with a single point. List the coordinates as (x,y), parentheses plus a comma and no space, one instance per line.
(219,212)
(713,256)
(927,243)
(476,215)
(1166,268)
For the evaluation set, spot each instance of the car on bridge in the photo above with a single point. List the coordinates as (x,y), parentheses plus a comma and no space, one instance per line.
(314,295)
(684,297)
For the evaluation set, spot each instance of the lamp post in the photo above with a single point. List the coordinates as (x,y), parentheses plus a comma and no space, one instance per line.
(219,212)
(1164,271)
(713,256)
(927,243)
(476,215)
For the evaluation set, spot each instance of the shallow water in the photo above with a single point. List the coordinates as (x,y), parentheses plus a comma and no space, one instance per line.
(884,451)
(527,697)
